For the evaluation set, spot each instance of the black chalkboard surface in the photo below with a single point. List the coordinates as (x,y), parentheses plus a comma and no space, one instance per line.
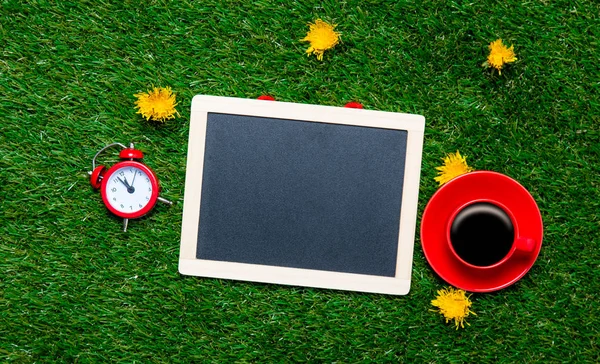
(301,194)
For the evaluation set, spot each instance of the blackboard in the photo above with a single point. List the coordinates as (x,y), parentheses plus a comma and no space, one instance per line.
(301,194)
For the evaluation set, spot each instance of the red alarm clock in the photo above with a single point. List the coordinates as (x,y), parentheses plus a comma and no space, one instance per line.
(129,189)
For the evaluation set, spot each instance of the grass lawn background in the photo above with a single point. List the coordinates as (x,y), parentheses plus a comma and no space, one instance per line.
(73,287)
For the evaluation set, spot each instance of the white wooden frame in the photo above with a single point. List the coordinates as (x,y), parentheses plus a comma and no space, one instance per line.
(190,265)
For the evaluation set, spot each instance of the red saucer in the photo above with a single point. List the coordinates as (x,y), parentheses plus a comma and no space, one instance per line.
(460,191)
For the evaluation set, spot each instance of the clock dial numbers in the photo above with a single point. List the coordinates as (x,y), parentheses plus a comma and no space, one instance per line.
(129,189)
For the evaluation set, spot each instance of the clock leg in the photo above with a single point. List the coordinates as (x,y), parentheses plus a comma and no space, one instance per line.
(125,222)
(164,200)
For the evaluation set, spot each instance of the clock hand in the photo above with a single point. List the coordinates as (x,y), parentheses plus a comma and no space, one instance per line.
(130,189)
(125,183)
(132,182)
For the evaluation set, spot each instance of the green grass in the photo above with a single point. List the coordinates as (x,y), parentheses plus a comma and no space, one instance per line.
(73,287)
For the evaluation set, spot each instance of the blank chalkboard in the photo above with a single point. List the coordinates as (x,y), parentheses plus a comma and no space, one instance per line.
(301,194)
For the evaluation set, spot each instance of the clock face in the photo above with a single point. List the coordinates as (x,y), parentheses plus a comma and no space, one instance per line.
(130,189)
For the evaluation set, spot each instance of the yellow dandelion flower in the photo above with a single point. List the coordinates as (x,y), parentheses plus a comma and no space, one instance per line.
(158,104)
(454,166)
(454,305)
(322,37)
(500,55)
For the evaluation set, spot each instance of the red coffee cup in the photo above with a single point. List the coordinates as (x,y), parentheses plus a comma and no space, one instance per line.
(484,234)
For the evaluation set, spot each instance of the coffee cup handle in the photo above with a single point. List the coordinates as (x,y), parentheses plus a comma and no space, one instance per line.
(525,245)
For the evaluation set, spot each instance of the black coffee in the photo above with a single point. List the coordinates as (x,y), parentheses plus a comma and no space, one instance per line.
(482,234)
